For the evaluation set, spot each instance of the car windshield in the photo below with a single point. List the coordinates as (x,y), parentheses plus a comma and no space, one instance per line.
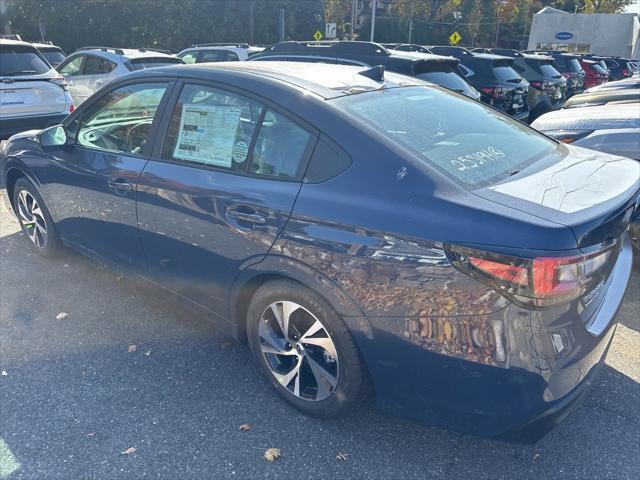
(444,74)
(574,65)
(504,72)
(150,62)
(16,60)
(468,142)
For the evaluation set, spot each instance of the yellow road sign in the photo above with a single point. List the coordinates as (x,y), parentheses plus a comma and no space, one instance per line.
(318,35)
(454,38)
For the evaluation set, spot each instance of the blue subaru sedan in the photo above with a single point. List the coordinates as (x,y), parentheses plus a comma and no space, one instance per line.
(364,232)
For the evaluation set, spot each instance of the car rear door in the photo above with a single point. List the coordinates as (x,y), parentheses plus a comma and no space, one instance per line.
(217,193)
(27,84)
(96,72)
(91,183)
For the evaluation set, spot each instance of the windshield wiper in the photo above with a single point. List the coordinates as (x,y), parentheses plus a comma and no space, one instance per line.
(21,72)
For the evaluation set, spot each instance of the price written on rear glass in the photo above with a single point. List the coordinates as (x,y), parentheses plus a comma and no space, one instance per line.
(476,159)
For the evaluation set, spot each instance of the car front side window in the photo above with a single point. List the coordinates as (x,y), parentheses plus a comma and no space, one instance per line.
(72,67)
(121,120)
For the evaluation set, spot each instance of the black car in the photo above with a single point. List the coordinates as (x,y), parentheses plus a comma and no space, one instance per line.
(362,233)
(619,67)
(569,66)
(438,69)
(410,47)
(54,54)
(547,86)
(494,76)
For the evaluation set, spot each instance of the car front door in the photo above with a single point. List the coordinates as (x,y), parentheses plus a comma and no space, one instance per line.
(220,191)
(92,181)
(71,69)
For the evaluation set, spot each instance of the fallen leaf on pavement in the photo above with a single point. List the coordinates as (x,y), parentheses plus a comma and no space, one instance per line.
(91,434)
(62,316)
(245,427)
(4,373)
(272,454)
(536,455)
(132,348)
(227,344)
(147,353)
(130,450)
(342,456)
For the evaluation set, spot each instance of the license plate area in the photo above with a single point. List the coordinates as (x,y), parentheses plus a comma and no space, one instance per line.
(11,98)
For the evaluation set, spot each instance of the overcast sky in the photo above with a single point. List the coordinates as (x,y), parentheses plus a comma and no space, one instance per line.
(634,8)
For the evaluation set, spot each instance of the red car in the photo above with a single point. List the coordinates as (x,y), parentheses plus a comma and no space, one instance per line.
(594,74)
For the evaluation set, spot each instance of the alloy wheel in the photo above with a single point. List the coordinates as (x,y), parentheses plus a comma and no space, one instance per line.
(298,351)
(32,218)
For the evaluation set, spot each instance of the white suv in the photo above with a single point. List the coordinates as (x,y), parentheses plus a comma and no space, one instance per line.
(32,94)
(88,69)
(218,52)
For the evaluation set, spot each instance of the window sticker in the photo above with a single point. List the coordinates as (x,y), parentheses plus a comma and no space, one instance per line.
(207,134)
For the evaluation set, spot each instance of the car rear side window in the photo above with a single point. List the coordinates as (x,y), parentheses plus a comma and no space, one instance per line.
(280,148)
(468,142)
(212,127)
(548,70)
(17,60)
(97,65)
(121,120)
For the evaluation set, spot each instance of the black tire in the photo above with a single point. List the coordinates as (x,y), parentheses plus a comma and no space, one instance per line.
(352,379)
(50,246)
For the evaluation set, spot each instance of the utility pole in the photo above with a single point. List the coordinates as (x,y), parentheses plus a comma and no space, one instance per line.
(374,6)
(411,21)
(353,18)
(281,25)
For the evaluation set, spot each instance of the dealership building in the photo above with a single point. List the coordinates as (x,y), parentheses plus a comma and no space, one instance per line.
(599,33)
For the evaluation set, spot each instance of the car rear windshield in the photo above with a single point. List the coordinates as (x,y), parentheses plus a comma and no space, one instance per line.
(16,60)
(503,71)
(445,74)
(465,140)
(548,70)
(150,62)
(54,57)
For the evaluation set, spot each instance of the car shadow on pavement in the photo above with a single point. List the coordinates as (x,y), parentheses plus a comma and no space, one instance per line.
(129,368)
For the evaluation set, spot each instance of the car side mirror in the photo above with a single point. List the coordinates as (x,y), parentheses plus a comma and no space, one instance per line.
(53,137)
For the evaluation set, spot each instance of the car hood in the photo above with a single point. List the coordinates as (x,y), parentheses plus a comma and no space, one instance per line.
(584,191)
(591,118)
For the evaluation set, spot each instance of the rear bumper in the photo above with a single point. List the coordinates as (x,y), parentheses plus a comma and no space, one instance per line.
(513,374)
(11,126)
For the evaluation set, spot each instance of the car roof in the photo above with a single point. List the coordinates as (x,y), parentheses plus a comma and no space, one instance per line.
(422,56)
(122,53)
(595,117)
(491,56)
(45,45)
(6,41)
(324,80)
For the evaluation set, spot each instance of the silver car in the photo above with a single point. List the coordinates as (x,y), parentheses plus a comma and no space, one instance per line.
(88,69)
(608,128)
(32,94)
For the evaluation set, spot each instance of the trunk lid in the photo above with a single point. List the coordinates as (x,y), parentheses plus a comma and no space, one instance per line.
(31,96)
(590,192)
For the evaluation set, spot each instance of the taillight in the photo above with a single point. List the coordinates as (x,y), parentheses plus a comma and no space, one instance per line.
(61,82)
(496,92)
(536,282)
(72,108)
(626,72)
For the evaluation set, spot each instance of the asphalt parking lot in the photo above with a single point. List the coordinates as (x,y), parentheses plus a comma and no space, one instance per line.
(79,401)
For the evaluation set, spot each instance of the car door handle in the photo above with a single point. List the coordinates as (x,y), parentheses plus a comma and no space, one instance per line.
(120,184)
(249,215)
